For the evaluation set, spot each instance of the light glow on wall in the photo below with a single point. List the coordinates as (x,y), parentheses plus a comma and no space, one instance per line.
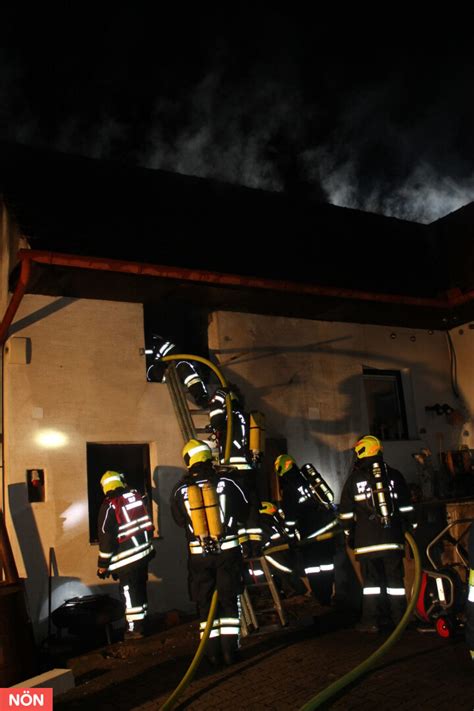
(61,592)
(51,439)
(74,514)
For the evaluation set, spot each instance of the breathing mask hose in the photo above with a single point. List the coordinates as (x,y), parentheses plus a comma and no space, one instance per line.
(187,678)
(366,665)
(223,382)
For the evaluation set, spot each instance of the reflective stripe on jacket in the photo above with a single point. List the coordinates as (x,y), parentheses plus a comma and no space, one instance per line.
(123,540)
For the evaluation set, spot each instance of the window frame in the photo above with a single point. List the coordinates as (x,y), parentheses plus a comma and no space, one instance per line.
(397,379)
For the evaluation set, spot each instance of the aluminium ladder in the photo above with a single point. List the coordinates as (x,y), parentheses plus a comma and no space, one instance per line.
(185,415)
(250,611)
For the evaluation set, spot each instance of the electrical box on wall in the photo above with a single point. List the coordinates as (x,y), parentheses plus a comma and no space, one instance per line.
(18,350)
(35,481)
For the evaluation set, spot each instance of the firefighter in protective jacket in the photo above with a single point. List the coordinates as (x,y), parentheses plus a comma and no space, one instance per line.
(374,503)
(239,453)
(307,503)
(283,563)
(211,505)
(242,458)
(125,549)
(187,372)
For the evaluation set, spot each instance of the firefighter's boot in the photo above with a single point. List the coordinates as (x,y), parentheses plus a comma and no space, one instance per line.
(229,649)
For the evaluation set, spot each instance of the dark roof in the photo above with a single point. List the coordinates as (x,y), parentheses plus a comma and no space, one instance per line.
(81,206)
(455,236)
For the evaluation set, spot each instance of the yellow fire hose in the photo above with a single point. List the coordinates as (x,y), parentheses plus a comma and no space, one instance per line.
(366,665)
(187,678)
(355,673)
(222,380)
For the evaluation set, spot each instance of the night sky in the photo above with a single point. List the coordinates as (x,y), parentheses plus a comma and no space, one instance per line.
(379,119)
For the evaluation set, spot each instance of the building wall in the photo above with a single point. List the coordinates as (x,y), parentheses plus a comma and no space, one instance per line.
(11,241)
(306,377)
(85,383)
(463,349)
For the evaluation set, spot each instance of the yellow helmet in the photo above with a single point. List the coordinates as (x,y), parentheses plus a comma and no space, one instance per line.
(268,508)
(195,451)
(283,463)
(112,480)
(368,446)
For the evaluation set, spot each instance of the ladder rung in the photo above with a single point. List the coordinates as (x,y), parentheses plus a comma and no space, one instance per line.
(257,585)
(267,609)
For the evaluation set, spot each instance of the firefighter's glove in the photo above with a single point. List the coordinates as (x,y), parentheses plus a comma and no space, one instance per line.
(256,548)
(246,549)
(102,573)
(350,537)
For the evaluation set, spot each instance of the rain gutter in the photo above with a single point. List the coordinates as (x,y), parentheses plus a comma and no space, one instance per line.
(449,299)
(219,279)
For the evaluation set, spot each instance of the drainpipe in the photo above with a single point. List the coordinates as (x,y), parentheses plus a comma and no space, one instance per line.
(18,294)
(8,317)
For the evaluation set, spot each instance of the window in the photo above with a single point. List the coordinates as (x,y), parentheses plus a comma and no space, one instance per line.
(385,404)
(183,324)
(132,460)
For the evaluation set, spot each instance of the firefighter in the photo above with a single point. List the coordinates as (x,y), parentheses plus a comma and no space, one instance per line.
(210,504)
(470,597)
(125,549)
(242,458)
(312,519)
(375,501)
(239,454)
(283,563)
(187,372)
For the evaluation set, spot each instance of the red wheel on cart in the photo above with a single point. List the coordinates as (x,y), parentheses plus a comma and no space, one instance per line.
(444,627)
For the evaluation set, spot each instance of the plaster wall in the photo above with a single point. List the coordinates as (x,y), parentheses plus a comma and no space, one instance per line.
(306,376)
(11,241)
(85,382)
(462,339)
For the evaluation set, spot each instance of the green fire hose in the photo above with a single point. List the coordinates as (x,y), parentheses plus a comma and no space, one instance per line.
(355,673)
(366,665)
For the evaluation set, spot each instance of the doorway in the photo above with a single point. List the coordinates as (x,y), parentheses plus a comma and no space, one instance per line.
(132,460)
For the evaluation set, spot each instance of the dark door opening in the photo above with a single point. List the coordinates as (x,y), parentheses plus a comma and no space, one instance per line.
(132,460)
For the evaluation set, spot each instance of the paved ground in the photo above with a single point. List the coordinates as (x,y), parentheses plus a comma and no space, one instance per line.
(283,669)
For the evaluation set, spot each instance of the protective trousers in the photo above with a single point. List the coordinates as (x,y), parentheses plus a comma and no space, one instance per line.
(384,598)
(318,559)
(221,571)
(132,587)
(347,590)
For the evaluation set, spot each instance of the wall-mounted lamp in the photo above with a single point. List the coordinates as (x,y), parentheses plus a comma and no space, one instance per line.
(51,439)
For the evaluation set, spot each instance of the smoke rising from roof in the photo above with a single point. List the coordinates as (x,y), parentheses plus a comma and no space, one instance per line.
(267,108)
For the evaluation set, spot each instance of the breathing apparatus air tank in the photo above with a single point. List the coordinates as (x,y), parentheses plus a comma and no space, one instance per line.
(212,510)
(381,495)
(205,515)
(197,512)
(256,435)
(318,487)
